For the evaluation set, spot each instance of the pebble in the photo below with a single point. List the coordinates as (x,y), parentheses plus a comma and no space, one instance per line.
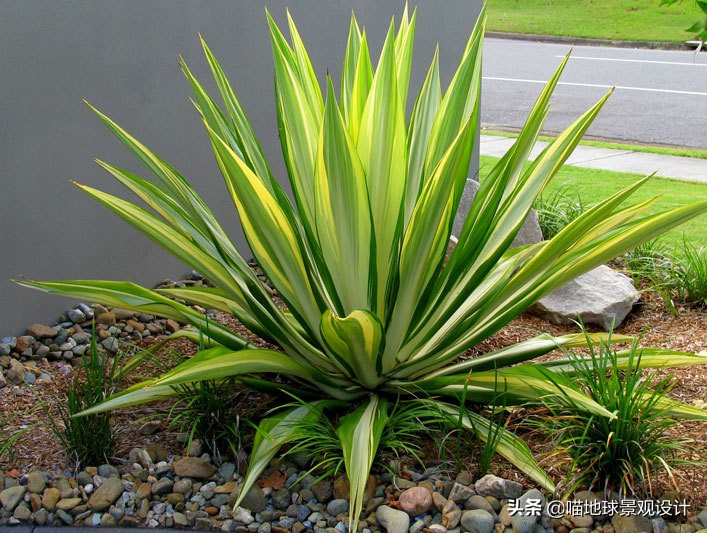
(460,493)
(35,482)
(393,520)
(163,486)
(106,494)
(477,521)
(338,506)
(242,515)
(10,497)
(193,467)
(524,522)
(416,501)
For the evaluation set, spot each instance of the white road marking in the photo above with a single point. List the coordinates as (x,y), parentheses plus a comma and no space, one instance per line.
(637,61)
(600,86)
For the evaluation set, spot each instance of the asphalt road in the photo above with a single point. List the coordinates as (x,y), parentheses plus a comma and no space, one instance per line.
(660,97)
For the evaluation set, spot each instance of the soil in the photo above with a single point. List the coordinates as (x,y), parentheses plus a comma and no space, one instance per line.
(39,449)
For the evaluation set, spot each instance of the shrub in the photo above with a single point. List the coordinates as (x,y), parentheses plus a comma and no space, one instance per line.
(556,210)
(206,410)
(620,453)
(688,277)
(680,276)
(374,312)
(650,261)
(87,440)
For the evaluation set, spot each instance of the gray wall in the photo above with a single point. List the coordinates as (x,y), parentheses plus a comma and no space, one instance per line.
(122,57)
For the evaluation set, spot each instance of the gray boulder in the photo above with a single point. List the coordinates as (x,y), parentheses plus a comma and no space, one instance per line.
(598,297)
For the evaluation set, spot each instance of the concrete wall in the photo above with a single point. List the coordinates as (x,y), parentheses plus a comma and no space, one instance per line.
(122,57)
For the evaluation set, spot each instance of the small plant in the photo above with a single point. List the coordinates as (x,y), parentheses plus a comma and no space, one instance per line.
(319,436)
(688,277)
(206,410)
(557,209)
(483,444)
(620,453)
(9,438)
(87,440)
(680,276)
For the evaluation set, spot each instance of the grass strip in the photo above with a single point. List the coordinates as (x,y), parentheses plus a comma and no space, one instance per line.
(621,20)
(593,185)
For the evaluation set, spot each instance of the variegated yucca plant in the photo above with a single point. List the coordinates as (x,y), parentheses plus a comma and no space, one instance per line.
(375,314)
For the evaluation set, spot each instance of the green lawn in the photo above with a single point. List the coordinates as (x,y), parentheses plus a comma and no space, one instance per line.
(626,20)
(594,185)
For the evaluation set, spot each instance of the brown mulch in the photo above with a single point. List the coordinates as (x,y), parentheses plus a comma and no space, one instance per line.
(39,449)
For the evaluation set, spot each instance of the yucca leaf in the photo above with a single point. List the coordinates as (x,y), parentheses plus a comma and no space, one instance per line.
(362,82)
(299,118)
(623,360)
(273,432)
(426,236)
(508,446)
(137,397)
(670,407)
(421,121)
(174,182)
(459,101)
(214,298)
(272,238)
(304,67)
(221,363)
(342,212)
(348,71)
(464,269)
(360,434)
(526,351)
(381,146)
(356,340)
(525,382)
(403,52)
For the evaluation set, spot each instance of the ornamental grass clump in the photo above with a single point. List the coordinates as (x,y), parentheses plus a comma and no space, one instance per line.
(375,316)
(623,453)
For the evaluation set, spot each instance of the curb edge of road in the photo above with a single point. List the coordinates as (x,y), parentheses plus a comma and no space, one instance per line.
(658,45)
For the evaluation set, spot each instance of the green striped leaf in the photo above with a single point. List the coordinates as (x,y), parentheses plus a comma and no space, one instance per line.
(382,146)
(342,212)
(508,446)
(272,238)
(360,434)
(355,340)
(272,433)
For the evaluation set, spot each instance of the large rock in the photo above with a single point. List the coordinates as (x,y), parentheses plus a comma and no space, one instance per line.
(631,524)
(529,233)
(529,507)
(601,296)
(16,373)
